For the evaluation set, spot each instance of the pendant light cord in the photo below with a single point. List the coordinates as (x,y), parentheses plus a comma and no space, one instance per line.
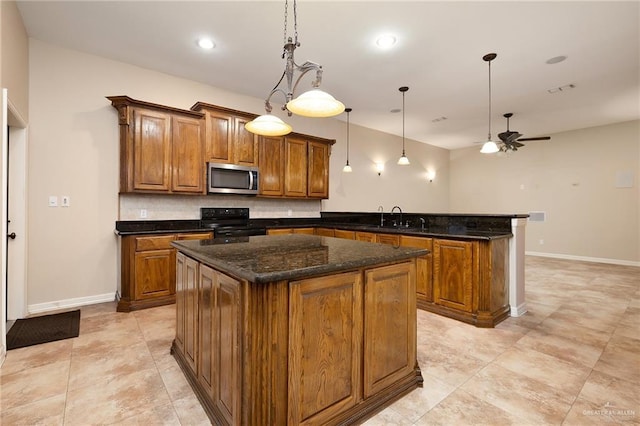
(489,136)
(403,123)
(348,112)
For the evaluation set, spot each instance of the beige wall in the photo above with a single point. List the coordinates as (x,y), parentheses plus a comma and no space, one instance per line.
(14,58)
(572,178)
(73,139)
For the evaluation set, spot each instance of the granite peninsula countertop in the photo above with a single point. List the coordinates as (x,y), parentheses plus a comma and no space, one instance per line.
(267,258)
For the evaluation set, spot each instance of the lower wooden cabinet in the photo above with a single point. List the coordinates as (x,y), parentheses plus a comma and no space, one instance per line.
(325,232)
(323,350)
(349,235)
(148,269)
(284,231)
(424,267)
(470,280)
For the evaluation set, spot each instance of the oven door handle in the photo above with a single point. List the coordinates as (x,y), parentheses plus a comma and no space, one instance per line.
(250,180)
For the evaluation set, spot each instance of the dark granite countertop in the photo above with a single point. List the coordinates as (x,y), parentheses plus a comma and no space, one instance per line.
(262,259)
(455,226)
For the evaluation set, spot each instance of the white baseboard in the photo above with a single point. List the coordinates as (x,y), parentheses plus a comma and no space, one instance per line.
(517,311)
(584,258)
(70,303)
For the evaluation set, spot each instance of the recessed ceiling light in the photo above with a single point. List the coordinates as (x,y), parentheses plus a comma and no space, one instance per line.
(385,41)
(556,59)
(206,43)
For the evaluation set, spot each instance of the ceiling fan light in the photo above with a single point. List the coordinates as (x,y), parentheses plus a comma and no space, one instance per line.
(315,103)
(489,147)
(268,125)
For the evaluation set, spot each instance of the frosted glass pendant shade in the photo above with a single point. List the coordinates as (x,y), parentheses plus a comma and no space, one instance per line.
(489,147)
(268,125)
(347,168)
(315,103)
(403,161)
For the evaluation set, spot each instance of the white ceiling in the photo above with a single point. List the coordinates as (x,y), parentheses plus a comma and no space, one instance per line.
(438,55)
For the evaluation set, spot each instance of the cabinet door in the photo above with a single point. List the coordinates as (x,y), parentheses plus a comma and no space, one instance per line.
(245,144)
(151,150)
(325,232)
(207,330)
(453,274)
(318,179)
(295,174)
(227,357)
(325,327)
(347,235)
(218,137)
(424,265)
(155,272)
(369,237)
(391,239)
(187,159)
(271,177)
(279,231)
(190,303)
(389,325)
(187,308)
(308,231)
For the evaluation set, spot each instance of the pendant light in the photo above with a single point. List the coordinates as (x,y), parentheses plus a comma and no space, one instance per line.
(347,167)
(489,146)
(403,160)
(313,103)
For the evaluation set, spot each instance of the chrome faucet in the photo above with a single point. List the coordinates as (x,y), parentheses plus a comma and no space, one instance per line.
(398,224)
(422,223)
(381,210)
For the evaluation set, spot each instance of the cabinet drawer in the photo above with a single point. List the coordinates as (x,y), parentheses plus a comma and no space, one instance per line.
(195,236)
(157,242)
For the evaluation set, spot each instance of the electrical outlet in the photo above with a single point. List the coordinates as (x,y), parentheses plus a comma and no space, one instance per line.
(143,213)
(53,201)
(66,201)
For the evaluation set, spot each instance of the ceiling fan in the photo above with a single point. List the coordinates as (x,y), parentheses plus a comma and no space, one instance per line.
(511,140)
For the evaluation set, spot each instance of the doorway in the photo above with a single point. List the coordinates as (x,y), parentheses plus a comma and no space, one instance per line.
(13,301)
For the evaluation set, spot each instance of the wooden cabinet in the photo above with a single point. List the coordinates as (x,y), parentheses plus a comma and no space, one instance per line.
(391,239)
(470,280)
(295,166)
(454,273)
(325,334)
(160,148)
(341,233)
(424,267)
(284,231)
(390,326)
(148,274)
(325,232)
(219,360)
(271,177)
(369,237)
(226,140)
(322,350)
(187,276)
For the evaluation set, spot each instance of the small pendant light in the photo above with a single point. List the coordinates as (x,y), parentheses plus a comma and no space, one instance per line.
(347,167)
(489,146)
(403,161)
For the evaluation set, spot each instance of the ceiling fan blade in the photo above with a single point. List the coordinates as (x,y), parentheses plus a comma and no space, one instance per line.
(541,138)
(517,144)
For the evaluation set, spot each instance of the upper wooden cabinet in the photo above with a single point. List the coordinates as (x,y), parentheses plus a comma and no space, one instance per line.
(226,140)
(295,166)
(160,148)
(165,150)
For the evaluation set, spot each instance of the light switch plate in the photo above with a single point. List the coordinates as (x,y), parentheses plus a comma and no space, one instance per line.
(53,201)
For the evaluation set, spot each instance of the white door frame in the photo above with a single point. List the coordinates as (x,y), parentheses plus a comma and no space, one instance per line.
(3,223)
(12,123)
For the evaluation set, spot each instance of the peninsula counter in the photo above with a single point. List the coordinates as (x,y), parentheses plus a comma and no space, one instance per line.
(296,329)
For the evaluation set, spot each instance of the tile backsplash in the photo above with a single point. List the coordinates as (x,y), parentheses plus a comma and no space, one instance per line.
(165,207)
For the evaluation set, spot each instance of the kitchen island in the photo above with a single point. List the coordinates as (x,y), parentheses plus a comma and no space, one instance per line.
(296,329)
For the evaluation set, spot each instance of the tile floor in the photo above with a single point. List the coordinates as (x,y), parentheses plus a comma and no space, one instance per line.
(573,359)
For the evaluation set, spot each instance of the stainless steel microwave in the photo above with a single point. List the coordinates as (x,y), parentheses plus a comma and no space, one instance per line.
(232,179)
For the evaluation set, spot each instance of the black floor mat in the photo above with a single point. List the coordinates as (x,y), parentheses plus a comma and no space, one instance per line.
(43,329)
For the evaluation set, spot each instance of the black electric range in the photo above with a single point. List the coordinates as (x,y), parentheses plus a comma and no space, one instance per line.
(228,222)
